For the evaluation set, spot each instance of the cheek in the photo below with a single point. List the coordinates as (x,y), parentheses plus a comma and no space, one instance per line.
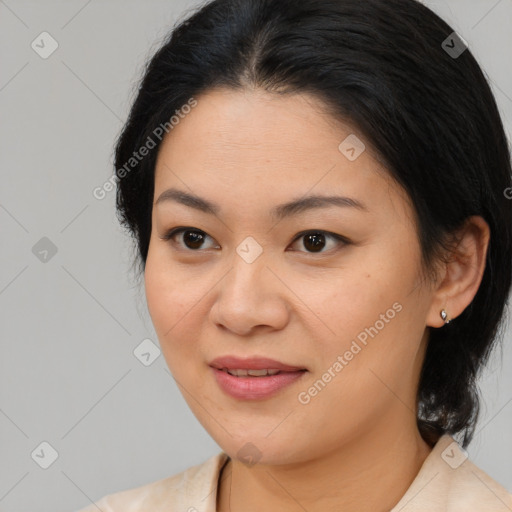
(161,296)
(172,303)
(355,297)
(375,302)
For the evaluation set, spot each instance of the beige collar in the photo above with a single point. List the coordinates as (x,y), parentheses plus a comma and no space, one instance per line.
(447,482)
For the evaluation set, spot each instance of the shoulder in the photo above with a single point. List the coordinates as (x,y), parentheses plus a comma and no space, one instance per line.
(472,487)
(190,490)
(451,482)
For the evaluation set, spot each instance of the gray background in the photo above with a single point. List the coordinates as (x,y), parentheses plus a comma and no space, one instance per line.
(69,325)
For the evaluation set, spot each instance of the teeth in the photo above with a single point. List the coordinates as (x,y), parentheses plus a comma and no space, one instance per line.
(251,373)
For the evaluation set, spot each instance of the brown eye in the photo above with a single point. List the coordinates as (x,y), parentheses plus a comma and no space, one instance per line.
(192,239)
(316,241)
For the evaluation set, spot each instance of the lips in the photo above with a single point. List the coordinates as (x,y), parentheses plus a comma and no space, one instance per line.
(254,378)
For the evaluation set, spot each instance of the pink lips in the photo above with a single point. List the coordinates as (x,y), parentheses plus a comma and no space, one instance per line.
(253,388)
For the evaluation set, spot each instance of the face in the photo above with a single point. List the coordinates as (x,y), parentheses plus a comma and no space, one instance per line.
(329,288)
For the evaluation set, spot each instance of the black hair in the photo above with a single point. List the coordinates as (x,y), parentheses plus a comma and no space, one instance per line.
(391,69)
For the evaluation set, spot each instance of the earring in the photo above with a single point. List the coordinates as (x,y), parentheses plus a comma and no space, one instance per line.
(444,316)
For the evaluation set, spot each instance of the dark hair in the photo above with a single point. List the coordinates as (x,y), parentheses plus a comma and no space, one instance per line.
(429,114)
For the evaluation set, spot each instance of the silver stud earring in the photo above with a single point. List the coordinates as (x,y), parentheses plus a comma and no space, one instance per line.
(444,316)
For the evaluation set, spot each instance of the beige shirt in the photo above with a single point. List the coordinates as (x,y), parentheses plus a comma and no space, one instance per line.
(447,482)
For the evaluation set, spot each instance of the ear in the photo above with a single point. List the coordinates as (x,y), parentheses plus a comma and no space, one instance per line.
(460,278)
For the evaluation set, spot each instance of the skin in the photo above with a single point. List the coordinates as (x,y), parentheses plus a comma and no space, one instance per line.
(248,151)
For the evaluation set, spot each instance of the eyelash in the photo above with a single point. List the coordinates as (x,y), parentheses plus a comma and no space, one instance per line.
(341,239)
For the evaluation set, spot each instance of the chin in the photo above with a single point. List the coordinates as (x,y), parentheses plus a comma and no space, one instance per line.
(257,449)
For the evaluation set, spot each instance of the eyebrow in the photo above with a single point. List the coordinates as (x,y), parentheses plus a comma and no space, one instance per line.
(279,212)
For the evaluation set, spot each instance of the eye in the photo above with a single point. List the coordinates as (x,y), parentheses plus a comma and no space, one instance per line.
(314,241)
(194,238)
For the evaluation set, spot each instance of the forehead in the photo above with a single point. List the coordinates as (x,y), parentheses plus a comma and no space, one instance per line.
(244,121)
(260,144)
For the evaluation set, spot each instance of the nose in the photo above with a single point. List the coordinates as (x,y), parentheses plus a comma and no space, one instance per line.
(251,297)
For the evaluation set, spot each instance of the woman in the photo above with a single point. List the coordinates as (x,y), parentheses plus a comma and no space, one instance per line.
(319,193)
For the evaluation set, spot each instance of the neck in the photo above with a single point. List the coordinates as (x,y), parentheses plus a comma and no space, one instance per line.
(371,472)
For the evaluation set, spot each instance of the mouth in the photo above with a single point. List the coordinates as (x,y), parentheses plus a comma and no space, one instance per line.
(254,378)
(252,372)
